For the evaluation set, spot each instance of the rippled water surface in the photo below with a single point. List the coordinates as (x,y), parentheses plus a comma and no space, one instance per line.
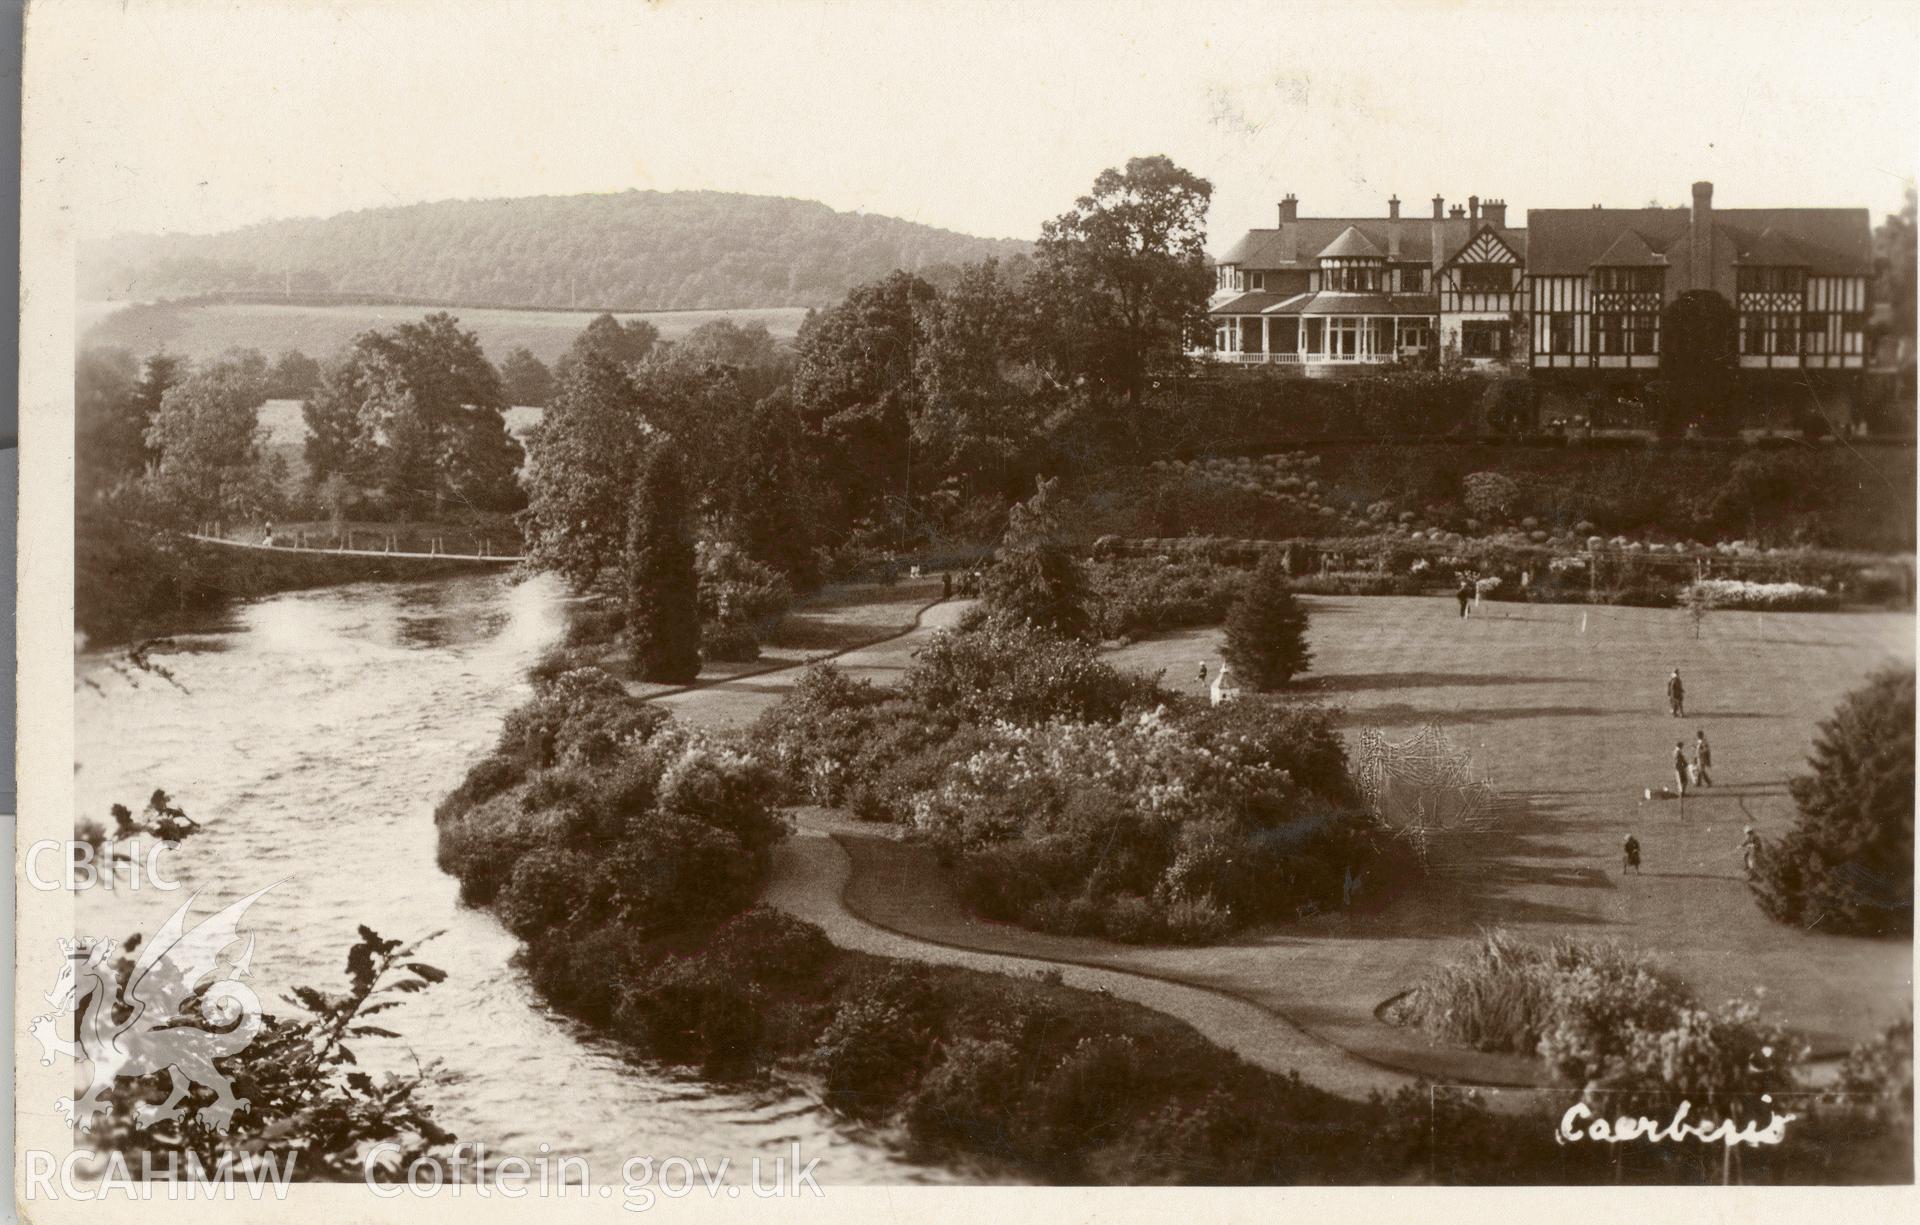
(312,734)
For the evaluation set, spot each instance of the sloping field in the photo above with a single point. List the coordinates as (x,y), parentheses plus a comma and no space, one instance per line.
(205,329)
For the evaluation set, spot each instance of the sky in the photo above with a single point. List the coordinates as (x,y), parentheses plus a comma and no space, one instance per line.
(199,116)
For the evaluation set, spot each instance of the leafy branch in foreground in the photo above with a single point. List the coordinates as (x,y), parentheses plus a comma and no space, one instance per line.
(310,1103)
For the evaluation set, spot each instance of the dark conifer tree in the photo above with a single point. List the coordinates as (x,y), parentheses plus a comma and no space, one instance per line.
(663,606)
(1847,865)
(1267,628)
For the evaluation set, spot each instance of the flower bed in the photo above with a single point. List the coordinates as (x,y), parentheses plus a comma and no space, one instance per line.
(1763,597)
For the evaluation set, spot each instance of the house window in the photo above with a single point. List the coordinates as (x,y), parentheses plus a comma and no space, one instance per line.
(1485,278)
(1641,330)
(1627,280)
(1482,338)
(1256,280)
(1772,280)
(1560,333)
(1343,339)
(1316,337)
(1342,276)
(1415,334)
(1411,280)
(1610,334)
(1753,334)
(1786,334)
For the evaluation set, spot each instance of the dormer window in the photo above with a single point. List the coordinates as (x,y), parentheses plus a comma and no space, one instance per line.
(1346,275)
(1766,279)
(1628,280)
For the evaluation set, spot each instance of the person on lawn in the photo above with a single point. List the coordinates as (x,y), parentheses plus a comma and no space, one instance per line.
(1750,849)
(1465,596)
(1702,759)
(1676,695)
(1680,768)
(1630,852)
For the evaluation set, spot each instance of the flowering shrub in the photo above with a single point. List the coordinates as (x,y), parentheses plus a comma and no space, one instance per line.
(737,590)
(1021,674)
(1763,597)
(1157,827)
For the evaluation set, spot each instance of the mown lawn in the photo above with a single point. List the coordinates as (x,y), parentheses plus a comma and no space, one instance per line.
(1571,726)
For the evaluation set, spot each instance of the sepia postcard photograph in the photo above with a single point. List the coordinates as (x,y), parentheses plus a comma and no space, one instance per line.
(853,609)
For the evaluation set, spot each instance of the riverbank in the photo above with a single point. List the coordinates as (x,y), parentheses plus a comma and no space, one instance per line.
(132,581)
(1060,1077)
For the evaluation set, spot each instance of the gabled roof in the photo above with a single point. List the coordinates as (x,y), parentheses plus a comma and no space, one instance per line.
(1351,244)
(1515,241)
(1568,241)
(1629,250)
(1297,244)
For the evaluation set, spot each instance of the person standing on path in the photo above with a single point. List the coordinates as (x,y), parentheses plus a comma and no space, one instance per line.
(1680,768)
(1630,852)
(1676,695)
(1750,849)
(1465,596)
(1203,676)
(1702,758)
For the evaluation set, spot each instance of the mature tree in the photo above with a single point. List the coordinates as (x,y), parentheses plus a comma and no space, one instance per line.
(525,379)
(1035,579)
(338,440)
(1698,352)
(211,446)
(663,596)
(294,376)
(109,432)
(246,363)
(757,362)
(1847,864)
(586,455)
(621,343)
(978,418)
(1895,256)
(769,496)
(1267,627)
(418,411)
(1121,281)
(855,388)
(160,373)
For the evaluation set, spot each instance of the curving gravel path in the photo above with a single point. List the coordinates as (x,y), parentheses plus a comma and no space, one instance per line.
(811,872)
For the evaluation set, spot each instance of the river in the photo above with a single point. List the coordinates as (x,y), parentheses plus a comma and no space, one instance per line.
(311,734)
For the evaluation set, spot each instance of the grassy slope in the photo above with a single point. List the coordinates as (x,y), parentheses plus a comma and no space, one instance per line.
(204,330)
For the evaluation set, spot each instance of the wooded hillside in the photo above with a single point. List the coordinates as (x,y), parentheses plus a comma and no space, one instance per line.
(635,250)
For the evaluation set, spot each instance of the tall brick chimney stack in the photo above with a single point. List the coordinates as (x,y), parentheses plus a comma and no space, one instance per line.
(1393,207)
(1439,207)
(1456,212)
(1289,209)
(1495,212)
(1700,238)
(1473,207)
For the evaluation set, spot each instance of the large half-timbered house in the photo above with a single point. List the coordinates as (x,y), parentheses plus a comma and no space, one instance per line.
(1796,278)
(1333,294)
(1575,296)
